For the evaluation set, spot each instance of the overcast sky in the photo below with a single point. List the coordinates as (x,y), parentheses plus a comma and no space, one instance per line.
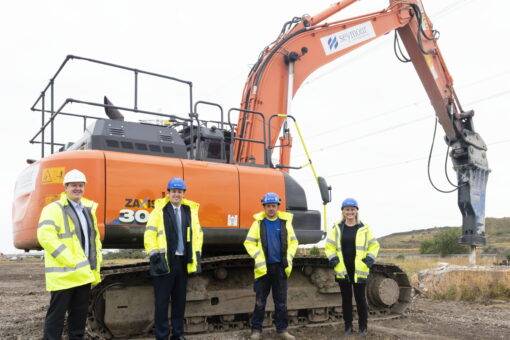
(365,117)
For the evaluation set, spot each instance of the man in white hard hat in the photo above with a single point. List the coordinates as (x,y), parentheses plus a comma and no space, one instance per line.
(72,252)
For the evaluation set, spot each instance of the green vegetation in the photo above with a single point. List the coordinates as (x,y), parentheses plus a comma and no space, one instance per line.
(125,254)
(444,243)
(497,231)
(475,293)
(315,251)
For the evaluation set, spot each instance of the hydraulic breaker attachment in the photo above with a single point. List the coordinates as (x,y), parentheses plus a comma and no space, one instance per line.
(470,161)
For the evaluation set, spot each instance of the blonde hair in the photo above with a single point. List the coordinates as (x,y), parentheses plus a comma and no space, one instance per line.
(357,217)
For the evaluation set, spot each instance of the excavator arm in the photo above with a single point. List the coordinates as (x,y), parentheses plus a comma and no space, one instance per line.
(307,43)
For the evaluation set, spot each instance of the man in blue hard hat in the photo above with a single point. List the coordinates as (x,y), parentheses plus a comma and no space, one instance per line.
(173,240)
(272,243)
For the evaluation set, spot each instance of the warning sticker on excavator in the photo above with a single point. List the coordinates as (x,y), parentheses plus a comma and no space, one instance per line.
(53,175)
(348,37)
(232,221)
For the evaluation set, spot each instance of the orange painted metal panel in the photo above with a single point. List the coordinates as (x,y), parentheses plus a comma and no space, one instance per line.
(254,183)
(133,182)
(45,185)
(216,187)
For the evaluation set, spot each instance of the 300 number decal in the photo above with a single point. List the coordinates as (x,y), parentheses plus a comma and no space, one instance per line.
(130,216)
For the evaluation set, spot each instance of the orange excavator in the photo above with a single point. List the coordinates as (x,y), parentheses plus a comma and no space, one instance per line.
(228,167)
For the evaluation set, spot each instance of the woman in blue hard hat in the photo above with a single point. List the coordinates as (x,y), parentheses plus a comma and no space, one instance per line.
(352,249)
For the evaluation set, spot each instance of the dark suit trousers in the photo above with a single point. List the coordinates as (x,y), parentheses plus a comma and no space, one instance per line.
(171,286)
(74,301)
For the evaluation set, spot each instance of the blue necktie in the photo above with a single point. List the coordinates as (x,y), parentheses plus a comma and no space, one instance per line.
(180,243)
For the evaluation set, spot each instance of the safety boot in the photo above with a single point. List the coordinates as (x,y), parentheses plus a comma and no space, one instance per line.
(286,336)
(348,328)
(255,335)
(363,330)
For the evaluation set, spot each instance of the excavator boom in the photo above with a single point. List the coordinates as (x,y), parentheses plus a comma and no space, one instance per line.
(311,43)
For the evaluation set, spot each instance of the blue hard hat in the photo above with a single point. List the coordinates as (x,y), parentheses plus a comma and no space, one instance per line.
(350,202)
(176,183)
(271,197)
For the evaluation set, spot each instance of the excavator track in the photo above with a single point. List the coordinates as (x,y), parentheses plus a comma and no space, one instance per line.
(221,298)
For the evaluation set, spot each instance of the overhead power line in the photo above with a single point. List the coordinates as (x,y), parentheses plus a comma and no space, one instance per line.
(374,133)
(502,93)
(389,165)
(417,103)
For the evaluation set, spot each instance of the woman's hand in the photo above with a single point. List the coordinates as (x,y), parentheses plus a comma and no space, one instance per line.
(368,261)
(334,261)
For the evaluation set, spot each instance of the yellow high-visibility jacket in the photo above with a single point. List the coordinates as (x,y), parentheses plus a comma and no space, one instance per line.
(154,238)
(66,264)
(366,246)
(256,242)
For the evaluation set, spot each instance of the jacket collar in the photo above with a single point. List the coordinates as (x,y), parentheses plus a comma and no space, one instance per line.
(64,200)
(160,203)
(283,215)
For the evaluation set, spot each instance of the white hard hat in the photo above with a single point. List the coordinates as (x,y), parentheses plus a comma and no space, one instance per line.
(75,176)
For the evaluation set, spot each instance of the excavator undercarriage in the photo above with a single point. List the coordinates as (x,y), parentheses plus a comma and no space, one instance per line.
(221,298)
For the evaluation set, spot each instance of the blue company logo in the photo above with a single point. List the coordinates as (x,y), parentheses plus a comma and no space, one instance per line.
(332,43)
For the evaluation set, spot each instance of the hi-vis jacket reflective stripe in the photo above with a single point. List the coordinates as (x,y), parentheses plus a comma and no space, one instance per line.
(66,264)
(255,247)
(154,238)
(366,246)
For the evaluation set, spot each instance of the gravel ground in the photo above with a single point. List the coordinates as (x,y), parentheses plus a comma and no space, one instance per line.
(24,300)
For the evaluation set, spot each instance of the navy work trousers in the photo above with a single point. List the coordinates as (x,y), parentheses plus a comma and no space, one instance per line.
(166,287)
(361,302)
(274,280)
(74,301)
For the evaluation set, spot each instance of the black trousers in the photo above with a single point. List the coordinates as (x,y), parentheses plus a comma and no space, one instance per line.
(346,289)
(274,280)
(74,301)
(171,286)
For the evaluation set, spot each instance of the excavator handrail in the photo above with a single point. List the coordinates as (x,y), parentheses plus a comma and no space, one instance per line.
(234,138)
(51,120)
(51,87)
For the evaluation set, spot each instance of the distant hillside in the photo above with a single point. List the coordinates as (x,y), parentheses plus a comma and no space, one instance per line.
(497,231)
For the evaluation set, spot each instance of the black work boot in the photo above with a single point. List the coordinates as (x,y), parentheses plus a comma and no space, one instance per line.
(363,330)
(348,328)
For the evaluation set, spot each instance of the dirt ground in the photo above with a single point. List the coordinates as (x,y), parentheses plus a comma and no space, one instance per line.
(23,303)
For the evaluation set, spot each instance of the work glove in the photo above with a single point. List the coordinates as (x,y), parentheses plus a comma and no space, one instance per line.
(158,265)
(368,261)
(334,261)
(154,258)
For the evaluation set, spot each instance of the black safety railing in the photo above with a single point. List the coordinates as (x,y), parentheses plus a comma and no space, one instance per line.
(41,102)
(270,148)
(49,113)
(247,140)
(195,107)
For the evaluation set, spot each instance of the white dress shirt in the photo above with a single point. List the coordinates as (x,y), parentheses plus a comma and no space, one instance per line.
(78,207)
